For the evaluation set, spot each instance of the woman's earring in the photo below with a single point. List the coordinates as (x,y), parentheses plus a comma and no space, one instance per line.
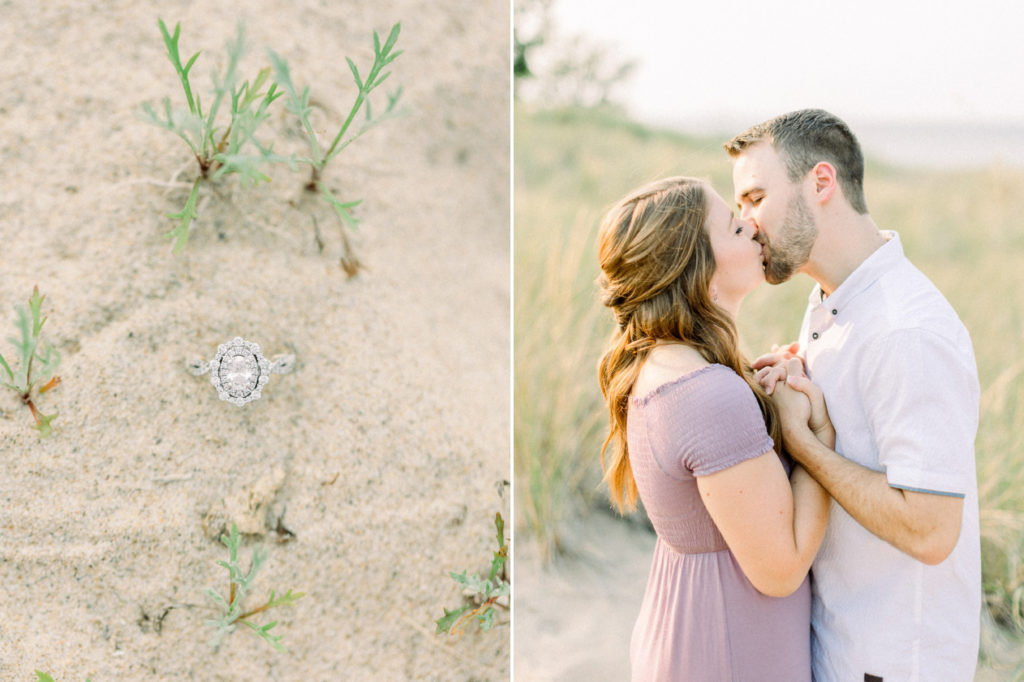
(714,296)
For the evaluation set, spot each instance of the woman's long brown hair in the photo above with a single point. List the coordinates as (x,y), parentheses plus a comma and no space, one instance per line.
(656,267)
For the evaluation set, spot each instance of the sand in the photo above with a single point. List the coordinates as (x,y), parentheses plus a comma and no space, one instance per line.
(384,452)
(574,615)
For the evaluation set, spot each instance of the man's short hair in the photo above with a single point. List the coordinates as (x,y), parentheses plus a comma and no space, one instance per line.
(803,139)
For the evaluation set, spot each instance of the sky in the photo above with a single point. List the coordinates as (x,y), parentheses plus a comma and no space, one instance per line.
(720,65)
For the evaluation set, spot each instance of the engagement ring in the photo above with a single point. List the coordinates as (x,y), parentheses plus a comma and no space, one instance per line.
(239,371)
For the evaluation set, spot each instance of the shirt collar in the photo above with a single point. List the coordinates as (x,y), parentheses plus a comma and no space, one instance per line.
(874,266)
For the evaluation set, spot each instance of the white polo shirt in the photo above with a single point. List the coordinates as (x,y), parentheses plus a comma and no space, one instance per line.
(899,377)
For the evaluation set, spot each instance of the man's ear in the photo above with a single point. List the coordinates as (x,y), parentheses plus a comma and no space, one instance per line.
(825,182)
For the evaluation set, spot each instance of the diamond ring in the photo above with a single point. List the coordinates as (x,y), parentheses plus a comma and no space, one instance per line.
(239,371)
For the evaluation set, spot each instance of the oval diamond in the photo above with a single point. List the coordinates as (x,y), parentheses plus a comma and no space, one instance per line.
(239,372)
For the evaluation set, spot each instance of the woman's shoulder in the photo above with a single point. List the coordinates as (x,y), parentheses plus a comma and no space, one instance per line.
(703,384)
(665,364)
(700,422)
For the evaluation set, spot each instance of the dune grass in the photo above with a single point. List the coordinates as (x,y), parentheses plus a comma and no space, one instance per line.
(34,364)
(961,228)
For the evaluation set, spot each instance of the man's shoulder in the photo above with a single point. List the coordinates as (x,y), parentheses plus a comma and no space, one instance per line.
(904,298)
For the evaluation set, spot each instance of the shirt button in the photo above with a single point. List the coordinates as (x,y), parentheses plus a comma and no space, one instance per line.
(835,312)
(814,336)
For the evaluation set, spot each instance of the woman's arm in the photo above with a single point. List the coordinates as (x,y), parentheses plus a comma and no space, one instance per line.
(811,504)
(772,524)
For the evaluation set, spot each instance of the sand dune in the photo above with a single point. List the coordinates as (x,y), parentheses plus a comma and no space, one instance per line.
(382,452)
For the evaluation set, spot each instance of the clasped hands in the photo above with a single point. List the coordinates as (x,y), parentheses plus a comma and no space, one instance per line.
(799,402)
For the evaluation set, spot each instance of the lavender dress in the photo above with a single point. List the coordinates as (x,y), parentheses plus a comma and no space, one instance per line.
(701,619)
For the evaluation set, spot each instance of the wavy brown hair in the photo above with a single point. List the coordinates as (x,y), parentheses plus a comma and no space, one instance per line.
(656,266)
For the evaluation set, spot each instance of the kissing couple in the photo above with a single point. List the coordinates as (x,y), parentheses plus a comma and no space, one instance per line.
(816,510)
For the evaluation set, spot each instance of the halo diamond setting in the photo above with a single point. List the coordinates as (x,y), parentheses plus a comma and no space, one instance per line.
(239,371)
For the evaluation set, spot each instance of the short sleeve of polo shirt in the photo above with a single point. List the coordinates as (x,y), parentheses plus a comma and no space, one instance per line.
(922,408)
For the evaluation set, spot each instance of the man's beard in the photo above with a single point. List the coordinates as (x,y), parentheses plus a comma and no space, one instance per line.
(792,247)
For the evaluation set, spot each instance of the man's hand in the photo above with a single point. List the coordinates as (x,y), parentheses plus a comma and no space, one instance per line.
(819,422)
(794,410)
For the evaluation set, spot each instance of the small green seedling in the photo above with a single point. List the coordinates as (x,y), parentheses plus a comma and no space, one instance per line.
(219,149)
(37,362)
(231,612)
(483,593)
(46,677)
(321,154)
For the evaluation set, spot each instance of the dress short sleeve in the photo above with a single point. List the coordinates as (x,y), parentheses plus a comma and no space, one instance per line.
(705,422)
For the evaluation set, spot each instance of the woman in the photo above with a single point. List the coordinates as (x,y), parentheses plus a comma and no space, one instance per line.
(728,596)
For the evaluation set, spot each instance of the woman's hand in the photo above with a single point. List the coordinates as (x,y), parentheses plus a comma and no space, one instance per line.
(777,355)
(770,368)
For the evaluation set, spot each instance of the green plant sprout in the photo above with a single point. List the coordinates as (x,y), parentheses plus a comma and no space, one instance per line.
(231,612)
(219,150)
(319,153)
(37,361)
(484,593)
(46,677)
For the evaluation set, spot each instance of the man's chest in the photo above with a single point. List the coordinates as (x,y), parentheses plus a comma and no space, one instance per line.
(834,361)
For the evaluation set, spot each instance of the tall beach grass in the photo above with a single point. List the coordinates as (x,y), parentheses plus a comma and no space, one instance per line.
(963,229)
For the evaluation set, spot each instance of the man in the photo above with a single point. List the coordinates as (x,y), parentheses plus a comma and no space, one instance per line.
(897,582)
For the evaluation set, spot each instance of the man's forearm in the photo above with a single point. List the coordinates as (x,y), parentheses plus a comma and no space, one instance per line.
(925,526)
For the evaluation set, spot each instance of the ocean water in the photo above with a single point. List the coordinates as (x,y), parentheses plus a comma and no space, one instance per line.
(943,145)
(927,144)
